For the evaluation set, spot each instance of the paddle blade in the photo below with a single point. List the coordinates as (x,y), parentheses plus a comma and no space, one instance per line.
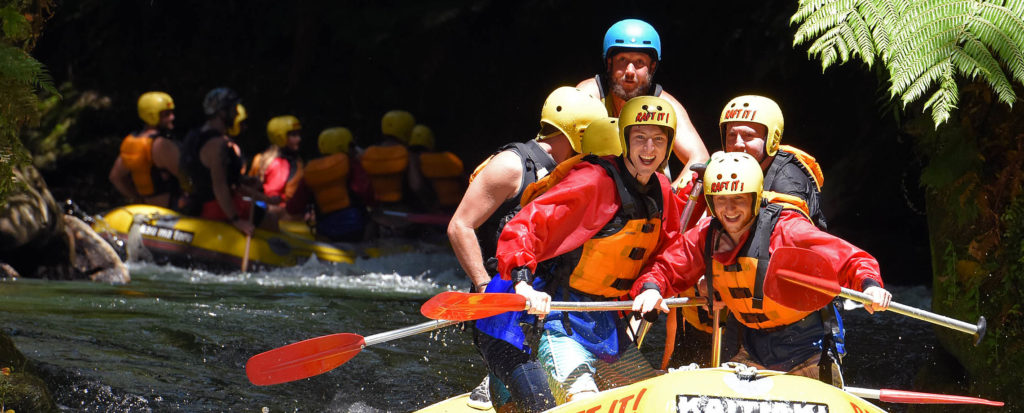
(800,279)
(901,396)
(303,359)
(454,305)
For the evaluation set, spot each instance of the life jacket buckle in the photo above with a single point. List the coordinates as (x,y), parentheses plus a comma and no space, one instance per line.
(647,228)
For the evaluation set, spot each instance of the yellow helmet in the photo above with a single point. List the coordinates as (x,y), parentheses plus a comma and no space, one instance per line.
(602,138)
(335,140)
(279,127)
(756,109)
(236,126)
(730,173)
(422,136)
(569,110)
(398,123)
(647,110)
(151,104)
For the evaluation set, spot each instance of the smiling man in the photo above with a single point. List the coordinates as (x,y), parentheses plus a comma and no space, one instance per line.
(734,246)
(585,239)
(753,124)
(632,53)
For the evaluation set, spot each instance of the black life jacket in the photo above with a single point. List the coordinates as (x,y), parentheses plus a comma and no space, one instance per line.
(200,185)
(787,175)
(536,164)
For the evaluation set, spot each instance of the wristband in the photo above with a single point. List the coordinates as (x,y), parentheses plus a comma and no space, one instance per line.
(522,274)
(650,286)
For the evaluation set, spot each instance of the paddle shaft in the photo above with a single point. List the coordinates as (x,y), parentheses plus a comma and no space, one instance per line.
(248,237)
(408,331)
(620,305)
(977,330)
(684,220)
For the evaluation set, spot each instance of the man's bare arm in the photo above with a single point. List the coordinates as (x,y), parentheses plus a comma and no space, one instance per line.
(121,177)
(687,145)
(497,182)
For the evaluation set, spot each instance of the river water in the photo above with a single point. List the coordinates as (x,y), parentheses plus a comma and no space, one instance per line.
(177,340)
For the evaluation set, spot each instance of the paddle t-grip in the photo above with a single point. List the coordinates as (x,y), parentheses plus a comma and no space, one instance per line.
(982,325)
(699,169)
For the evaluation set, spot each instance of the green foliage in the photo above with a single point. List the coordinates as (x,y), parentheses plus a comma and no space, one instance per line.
(925,45)
(20,77)
(1013,222)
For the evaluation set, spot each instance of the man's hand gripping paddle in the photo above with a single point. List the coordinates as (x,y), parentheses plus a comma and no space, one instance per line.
(454,305)
(803,280)
(321,354)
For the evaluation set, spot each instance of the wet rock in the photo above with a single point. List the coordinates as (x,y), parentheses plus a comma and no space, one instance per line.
(92,255)
(7,271)
(37,240)
(20,389)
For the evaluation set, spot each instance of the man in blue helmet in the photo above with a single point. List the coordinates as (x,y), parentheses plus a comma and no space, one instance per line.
(632,53)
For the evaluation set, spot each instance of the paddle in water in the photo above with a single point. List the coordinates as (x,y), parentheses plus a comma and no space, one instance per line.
(803,280)
(454,305)
(913,397)
(319,355)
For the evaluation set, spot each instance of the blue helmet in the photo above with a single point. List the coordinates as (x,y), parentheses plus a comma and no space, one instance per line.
(633,34)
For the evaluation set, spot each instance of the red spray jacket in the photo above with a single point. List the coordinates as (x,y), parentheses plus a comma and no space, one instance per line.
(682,263)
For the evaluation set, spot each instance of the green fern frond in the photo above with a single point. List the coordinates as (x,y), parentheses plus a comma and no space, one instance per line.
(921,84)
(805,8)
(1002,29)
(819,22)
(924,45)
(944,100)
(908,63)
(974,58)
(865,44)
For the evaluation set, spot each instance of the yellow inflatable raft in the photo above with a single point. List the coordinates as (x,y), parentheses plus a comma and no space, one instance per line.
(189,241)
(707,390)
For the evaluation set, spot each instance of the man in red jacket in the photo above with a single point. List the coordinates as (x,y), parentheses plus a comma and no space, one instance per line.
(586,238)
(731,243)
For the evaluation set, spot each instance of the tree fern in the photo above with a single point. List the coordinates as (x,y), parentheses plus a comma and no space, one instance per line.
(20,77)
(925,45)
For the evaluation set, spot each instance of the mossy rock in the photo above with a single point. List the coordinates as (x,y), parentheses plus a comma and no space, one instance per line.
(23,392)
(20,390)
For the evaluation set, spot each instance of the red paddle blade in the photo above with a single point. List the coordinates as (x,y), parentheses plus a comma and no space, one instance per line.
(901,396)
(454,305)
(303,359)
(800,279)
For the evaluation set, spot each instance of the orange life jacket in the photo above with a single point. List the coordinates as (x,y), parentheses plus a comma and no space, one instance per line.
(740,285)
(386,166)
(610,262)
(698,316)
(809,163)
(327,177)
(444,170)
(137,155)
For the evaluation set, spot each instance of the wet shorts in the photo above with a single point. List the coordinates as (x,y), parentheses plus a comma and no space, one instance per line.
(573,369)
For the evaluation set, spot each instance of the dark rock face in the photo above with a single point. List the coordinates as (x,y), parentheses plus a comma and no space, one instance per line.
(38,240)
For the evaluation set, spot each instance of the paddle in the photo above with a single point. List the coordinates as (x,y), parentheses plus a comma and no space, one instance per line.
(318,355)
(803,280)
(429,219)
(684,220)
(903,396)
(248,237)
(455,305)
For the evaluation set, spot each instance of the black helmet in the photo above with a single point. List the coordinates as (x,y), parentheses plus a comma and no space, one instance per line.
(218,99)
